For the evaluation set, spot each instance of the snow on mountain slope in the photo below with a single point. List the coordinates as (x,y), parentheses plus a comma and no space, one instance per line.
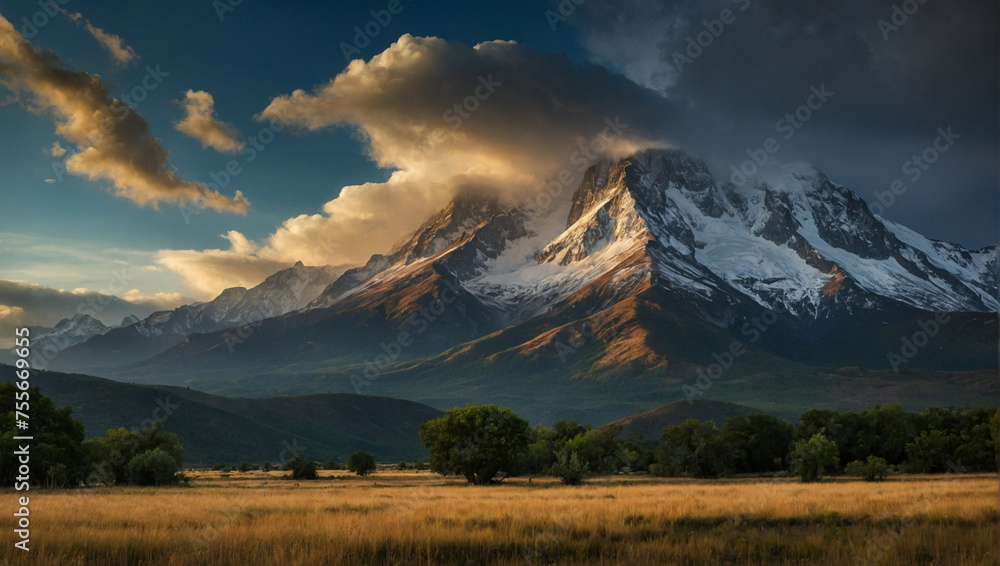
(790,238)
(68,332)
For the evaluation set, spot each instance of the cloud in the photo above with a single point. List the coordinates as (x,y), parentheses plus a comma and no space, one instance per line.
(208,272)
(26,304)
(114,141)
(200,123)
(894,88)
(156,301)
(56,150)
(442,116)
(121,53)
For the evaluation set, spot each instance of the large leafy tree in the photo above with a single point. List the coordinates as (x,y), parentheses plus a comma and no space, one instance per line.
(56,451)
(118,456)
(757,442)
(478,442)
(692,448)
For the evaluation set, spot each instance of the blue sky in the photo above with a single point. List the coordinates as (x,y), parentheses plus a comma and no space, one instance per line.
(892,96)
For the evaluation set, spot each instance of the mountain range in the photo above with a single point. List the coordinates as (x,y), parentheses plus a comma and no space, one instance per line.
(653,283)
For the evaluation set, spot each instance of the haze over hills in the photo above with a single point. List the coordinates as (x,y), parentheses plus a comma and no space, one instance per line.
(285,291)
(220,429)
(613,302)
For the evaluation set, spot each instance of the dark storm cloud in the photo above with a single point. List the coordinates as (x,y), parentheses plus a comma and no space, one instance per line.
(894,83)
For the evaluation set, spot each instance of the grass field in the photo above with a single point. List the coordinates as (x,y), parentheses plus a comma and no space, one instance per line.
(420,518)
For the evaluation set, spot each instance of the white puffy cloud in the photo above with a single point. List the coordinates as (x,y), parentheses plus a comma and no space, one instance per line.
(200,123)
(207,272)
(442,115)
(114,142)
(56,150)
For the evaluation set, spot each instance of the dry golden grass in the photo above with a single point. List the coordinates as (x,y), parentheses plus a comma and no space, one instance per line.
(418,518)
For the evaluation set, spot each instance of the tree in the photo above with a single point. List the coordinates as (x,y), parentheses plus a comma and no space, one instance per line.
(812,458)
(361,463)
(757,442)
(569,468)
(246,467)
(113,453)
(57,454)
(872,469)
(931,452)
(153,467)
(598,449)
(692,448)
(478,442)
(301,468)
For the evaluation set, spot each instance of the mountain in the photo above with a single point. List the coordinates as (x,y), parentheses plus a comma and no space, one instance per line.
(285,291)
(650,424)
(47,342)
(650,278)
(220,429)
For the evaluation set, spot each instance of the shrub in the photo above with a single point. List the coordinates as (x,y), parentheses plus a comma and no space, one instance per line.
(361,463)
(872,469)
(810,459)
(331,465)
(568,468)
(153,467)
(301,468)
(246,467)
(401,465)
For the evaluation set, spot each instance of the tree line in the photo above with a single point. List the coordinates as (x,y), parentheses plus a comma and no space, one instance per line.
(486,444)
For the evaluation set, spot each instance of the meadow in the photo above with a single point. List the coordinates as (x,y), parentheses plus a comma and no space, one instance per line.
(419,518)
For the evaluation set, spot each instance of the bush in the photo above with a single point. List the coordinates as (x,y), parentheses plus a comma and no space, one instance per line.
(301,468)
(246,467)
(401,465)
(812,458)
(331,465)
(153,467)
(361,463)
(568,468)
(872,469)
(220,467)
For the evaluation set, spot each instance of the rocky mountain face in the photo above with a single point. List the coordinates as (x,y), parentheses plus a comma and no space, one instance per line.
(286,291)
(651,269)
